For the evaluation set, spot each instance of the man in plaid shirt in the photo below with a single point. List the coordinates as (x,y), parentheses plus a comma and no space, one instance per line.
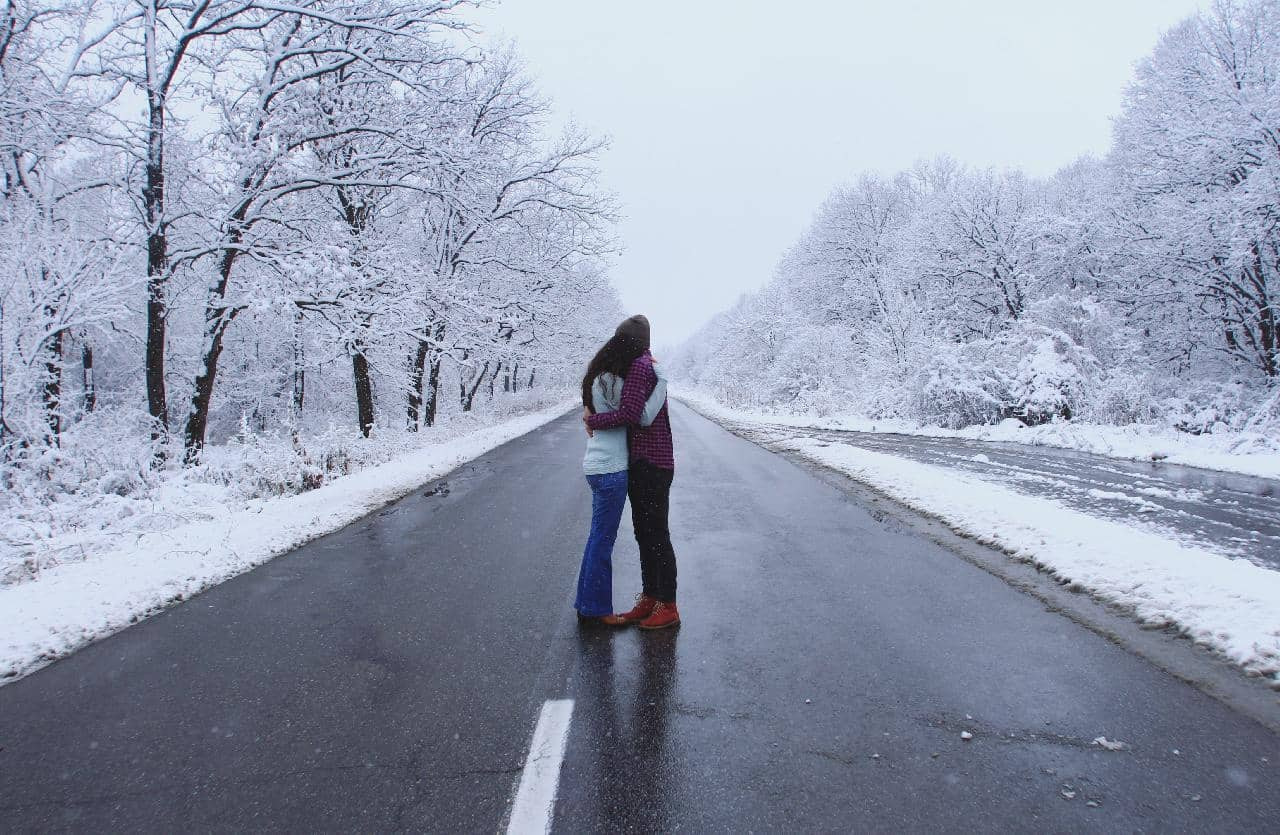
(651,471)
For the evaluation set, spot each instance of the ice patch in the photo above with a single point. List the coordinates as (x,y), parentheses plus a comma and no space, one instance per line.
(1110,745)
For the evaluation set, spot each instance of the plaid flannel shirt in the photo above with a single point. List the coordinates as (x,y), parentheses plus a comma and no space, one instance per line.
(650,443)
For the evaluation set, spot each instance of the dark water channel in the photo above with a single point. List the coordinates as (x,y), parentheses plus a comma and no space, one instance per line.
(1232,514)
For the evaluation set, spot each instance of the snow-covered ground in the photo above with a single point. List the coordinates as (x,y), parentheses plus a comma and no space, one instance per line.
(1248,453)
(1230,605)
(125,574)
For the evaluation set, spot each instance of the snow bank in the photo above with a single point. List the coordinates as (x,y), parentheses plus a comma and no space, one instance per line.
(74,603)
(1228,604)
(1249,453)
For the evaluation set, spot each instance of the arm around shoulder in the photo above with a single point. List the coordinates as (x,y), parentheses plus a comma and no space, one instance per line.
(657,399)
(634,393)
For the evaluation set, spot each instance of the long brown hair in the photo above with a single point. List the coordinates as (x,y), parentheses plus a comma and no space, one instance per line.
(614,357)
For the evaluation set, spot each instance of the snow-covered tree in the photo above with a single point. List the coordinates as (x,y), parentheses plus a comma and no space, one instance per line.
(1140,286)
(1198,153)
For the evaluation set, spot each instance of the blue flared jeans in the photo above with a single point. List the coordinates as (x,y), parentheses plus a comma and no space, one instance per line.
(595,577)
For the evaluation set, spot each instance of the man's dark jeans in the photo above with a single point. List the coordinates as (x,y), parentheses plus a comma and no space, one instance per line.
(649,488)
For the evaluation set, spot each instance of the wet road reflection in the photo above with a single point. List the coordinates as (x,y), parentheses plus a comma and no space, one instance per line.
(623,762)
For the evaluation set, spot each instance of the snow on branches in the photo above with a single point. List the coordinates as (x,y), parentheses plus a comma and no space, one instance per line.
(281,214)
(1142,287)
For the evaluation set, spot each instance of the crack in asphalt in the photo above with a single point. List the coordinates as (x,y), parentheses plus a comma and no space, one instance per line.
(849,761)
(696,712)
(1015,736)
(979,731)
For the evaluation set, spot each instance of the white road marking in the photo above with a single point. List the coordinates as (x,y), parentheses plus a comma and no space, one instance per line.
(536,797)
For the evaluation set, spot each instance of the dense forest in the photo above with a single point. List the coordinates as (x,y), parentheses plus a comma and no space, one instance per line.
(221,218)
(1143,287)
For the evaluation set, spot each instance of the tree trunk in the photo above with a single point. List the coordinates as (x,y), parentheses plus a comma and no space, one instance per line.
(299,381)
(299,388)
(4,424)
(497,369)
(469,396)
(153,204)
(216,322)
(432,397)
(156,402)
(417,368)
(515,378)
(1268,328)
(422,405)
(531,373)
(86,377)
(364,390)
(462,383)
(52,391)
(217,318)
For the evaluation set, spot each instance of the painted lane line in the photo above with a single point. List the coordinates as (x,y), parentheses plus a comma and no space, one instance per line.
(536,797)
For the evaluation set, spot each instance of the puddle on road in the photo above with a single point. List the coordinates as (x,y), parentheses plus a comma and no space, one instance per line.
(440,489)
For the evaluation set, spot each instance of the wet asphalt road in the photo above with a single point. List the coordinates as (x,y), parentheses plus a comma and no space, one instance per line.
(1232,514)
(388,677)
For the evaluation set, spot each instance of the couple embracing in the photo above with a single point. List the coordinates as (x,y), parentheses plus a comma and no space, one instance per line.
(629,454)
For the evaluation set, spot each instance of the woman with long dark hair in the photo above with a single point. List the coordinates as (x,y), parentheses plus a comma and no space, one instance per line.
(605,465)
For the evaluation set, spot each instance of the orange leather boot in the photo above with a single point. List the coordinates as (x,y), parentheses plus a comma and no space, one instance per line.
(664,615)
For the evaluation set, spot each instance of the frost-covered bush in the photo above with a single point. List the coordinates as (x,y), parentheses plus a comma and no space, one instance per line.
(821,402)
(1045,384)
(1122,396)
(817,372)
(954,389)
(1266,419)
(801,367)
(1050,373)
(1029,371)
(97,478)
(257,464)
(1205,407)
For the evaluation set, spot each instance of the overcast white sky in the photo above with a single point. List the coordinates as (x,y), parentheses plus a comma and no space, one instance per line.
(731,121)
